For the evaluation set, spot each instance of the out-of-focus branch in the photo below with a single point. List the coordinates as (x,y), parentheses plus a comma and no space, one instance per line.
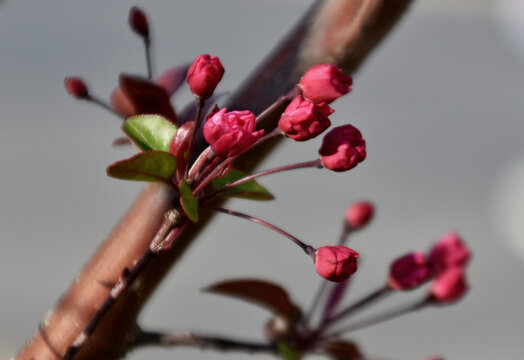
(202,342)
(339,31)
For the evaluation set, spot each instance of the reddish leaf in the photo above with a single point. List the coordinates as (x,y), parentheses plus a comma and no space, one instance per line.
(343,350)
(264,293)
(172,79)
(136,96)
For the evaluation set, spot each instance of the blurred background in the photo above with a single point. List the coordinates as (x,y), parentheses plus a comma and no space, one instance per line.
(440,105)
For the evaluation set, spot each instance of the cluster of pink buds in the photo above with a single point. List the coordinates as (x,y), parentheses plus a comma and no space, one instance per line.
(171,152)
(199,175)
(445,265)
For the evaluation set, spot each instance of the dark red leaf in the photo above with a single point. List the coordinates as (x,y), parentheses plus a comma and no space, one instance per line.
(264,293)
(343,350)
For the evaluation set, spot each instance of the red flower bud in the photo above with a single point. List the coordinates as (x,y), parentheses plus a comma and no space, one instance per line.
(449,286)
(342,148)
(450,251)
(231,133)
(138,21)
(303,120)
(76,87)
(409,271)
(336,263)
(359,214)
(325,82)
(204,75)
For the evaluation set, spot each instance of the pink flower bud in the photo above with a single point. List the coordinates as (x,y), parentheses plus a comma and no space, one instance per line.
(449,251)
(359,214)
(408,271)
(138,21)
(325,83)
(342,148)
(449,286)
(336,263)
(76,87)
(231,133)
(204,75)
(303,120)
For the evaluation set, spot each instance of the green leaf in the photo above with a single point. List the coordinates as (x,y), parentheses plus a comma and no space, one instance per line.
(145,166)
(188,201)
(287,352)
(150,132)
(248,190)
(264,293)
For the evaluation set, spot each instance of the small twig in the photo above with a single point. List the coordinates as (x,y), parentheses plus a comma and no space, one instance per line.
(309,250)
(103,105)
(360,304)
(147,338)
(380,318)
(147,45)
(314,163)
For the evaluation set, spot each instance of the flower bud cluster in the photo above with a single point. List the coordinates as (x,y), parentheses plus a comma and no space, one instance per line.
(445,264)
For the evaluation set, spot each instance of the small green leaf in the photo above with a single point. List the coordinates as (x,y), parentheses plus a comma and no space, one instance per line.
(248,190)
(287,352)
(188,201)
(150,132)
(145,166)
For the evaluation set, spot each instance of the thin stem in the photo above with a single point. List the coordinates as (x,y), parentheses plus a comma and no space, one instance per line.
(147,338)
(344,234)
(315,302)
(309,250)
(277,104)
(314,163)
(199,106)
(147,45)
(216,166)
(380,318)
(360,304)
(128,277)
(204,157)
(103,104)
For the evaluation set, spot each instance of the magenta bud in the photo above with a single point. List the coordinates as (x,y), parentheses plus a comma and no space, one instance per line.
(230,133)
(336,263)
(303,120)
(76,87)
(324,83)
(359,214)
(204,75)
(450,286)
(450,251)
(409,271)
(138,21)
(342,148)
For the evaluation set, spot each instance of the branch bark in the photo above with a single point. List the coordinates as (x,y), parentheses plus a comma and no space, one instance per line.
(339,31)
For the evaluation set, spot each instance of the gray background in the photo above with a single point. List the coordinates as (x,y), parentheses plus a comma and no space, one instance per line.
(440,105)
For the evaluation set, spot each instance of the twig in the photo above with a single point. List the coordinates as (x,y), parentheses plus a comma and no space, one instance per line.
(147,338)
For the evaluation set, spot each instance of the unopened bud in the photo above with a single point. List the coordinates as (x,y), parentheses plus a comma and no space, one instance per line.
(342,148)
(408,271)
(449,287)
(325,83)
(336,263)
(204,75)
(76,87)
(138,21)
(359,214)
(448,252)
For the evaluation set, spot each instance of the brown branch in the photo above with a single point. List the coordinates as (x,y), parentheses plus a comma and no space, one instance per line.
(343,32)
(202,342)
